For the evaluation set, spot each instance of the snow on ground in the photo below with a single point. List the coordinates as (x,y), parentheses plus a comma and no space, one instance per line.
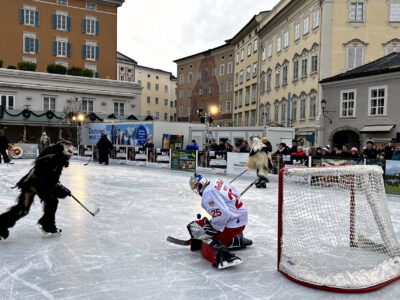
(122,252)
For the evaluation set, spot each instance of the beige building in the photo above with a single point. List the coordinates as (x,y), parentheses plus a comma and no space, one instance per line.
(125,68)
(246,70)
(158,101)
(205,83)
(68,32)
(303,42)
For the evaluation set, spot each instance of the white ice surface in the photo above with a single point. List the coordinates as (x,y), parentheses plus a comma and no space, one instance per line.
(122,252)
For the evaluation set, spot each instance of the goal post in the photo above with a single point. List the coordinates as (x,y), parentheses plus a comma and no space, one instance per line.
(334,229)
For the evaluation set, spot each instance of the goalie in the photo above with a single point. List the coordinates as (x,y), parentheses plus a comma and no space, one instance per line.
(260,160)
(229,218)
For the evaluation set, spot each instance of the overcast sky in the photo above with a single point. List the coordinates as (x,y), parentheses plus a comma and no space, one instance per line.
(156,32)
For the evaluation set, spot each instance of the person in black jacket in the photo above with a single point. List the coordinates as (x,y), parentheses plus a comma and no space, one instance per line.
(221,146)
(282,149)
(370,151)
(294,146)
(104,145)
(3,147)
(389,150)
(214,145)
(345,151)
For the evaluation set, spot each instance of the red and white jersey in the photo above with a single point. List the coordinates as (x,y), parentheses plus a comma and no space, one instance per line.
(222,201)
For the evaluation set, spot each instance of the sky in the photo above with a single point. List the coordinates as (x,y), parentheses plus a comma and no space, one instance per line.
(156,32)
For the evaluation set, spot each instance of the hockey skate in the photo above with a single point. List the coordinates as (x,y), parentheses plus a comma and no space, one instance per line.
(261,184)
(224,258)
(3,233)
(239,242)
(50,230)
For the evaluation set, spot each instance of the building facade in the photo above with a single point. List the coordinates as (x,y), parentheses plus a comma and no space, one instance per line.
(246,70)
(125,68)
(205,84)
(68,32)
(303,42)
(173,84)
(157,96)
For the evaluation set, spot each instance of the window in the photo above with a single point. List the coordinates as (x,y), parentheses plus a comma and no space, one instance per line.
(236,79)
(304,62)
(236,99)
(297,31)
(277,77)
(157,115)
(7,101)
(148,113)
(348,103)
(148,100)
(140,82)
(262,115)
(228,106)
(157,87)
(166,88)
(284,74)
(229,86)
(254,70)
(148,75)
(90,51)
(200,91)
(171,104)
(90,6)
(295,69)
(181,110)
(87,106)
(248,73)
(199,76)
(61,21)
(314,62)
(165,116)
(149,85)
(181,94)
(276,112)
(182,79)
(166,102)
(62,2)
(269,78)
(294,110)
(247,97)
(306,25)
(263,54)
(90,25)
(389,50)
(394,12)
(237,58)
(377,101)
(253,93)
(286,39)
(230,68)
(262,83)
(241,77)
(221,106)
(29,16)
(357,11)
(221,70)
(355,57)
(49,103)
(269,50)
(122,78)
(242,55)
(213,72)
(190,77)
(221,88)
(313,102)
(240,119)
(210,89)
(190,93)
(119,108)
(246,118)
(241,98)
(31,44)
(156,100)
(253,118)
(278,44)
(302,108)
(248,49)
(283,111)
(61,48)
(315,20)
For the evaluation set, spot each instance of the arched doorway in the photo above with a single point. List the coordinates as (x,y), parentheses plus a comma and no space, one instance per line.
(346,137)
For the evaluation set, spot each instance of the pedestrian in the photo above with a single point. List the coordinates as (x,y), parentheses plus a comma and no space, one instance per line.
(282,149)
(237,147)
(214,145)
(267,143)
(312,151)
(345,151)
(221,146)
(336,152)
(192,146)
(294,146)
(104,145)
(245,148)
(299,152)
(354,152)
(370,152)
(228,147)
(325,152)
(389,150)
(3,146)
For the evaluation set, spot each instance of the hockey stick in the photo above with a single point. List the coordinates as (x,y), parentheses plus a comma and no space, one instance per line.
(246,189)
(238,176)
(93,214)
(178,241)
(88,161)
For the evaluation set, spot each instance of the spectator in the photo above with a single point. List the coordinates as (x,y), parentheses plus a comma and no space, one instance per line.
(354,152)
(396,154)
(237,147)
(221,146)
(3,147)
(299,152)
(245,146)
(312,151)
(228,147)
(381,160)
(193,146)
(336,152)
(389,150)
(267,143)
(104,145)
(319,151)
(44,142)
(282,149)
(148,143)
(325,152)
(294,146)
(370,151)
(214,145)
(345,151)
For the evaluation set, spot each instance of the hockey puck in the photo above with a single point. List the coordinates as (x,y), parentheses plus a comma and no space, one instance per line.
(198,216)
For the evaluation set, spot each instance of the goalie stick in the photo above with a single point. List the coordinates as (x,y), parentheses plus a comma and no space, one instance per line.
(178,241)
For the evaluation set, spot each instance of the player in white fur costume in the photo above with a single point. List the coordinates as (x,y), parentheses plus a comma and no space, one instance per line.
(260,160)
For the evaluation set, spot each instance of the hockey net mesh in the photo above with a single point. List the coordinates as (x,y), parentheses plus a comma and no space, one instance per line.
(335,227)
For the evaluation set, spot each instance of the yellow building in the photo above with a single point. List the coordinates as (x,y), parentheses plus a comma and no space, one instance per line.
(158,98)
(303,42)
(246,72)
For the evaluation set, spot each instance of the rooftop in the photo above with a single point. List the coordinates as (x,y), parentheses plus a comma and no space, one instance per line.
(206,52)
(121,56)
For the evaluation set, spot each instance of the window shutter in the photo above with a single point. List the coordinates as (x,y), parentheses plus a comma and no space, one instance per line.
(36,45)
(97,53)
(54,48)
(69,23)
(96,75)
(350,57)
(394,12)
(84,25)
(37,18)
(26,45)
(84,51)
(97,27)
(68,49)
(21,15)
(352,11)
(54,21)
(358,56)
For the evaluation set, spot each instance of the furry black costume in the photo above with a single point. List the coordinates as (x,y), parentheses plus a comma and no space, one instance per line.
(260,160)
(41,180)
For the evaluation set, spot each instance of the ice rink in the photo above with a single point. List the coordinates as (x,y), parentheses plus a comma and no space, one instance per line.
(122,252)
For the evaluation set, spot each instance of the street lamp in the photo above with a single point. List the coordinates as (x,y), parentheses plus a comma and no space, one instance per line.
(323,106)
(78,118)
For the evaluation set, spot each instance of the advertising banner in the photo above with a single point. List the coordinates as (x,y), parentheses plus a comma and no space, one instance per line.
(236,163)
(162,155)
(172,141)
(392,176)
(183,160)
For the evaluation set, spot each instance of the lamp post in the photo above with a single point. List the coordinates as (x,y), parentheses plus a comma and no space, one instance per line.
(208,120)
(78,119)
(323,106)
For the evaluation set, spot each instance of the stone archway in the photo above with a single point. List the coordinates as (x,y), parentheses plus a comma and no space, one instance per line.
(346,135)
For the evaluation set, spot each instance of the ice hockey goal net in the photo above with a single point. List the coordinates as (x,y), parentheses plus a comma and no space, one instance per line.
(335,231)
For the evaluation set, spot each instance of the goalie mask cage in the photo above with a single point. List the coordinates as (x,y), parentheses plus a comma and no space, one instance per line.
(334,230)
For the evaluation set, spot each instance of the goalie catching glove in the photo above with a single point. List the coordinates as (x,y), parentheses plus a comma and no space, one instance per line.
(199,232)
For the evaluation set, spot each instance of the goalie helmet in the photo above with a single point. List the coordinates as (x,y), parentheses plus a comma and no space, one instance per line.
(197,183)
